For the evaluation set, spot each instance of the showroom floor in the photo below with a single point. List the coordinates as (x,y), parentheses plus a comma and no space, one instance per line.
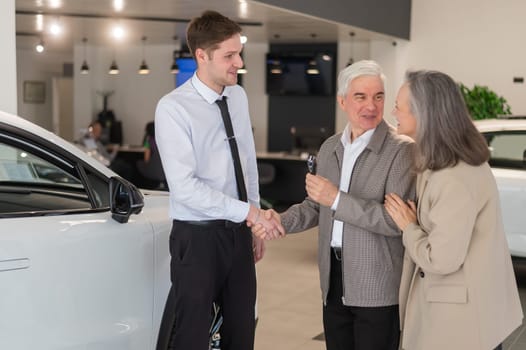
(289,301)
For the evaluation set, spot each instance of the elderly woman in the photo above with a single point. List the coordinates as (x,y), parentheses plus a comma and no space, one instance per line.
(458,289)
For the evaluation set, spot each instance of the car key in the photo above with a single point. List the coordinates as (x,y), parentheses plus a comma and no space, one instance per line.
(311,164)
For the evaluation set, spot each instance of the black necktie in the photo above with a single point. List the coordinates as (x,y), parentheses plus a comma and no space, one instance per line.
(240,181)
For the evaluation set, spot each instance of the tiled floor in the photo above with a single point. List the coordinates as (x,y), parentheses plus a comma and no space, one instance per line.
(289,301)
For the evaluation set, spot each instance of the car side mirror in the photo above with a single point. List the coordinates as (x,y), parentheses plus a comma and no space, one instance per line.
(125,199)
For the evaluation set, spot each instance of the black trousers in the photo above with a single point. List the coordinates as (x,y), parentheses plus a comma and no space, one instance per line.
(357,328)
(212,264)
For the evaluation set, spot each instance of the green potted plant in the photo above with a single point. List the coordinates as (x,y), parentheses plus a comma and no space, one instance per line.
(484,103)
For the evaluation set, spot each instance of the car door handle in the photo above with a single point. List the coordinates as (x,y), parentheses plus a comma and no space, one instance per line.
(14,264)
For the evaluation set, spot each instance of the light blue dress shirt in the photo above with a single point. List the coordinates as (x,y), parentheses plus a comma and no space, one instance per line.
(351,153)
(196,156)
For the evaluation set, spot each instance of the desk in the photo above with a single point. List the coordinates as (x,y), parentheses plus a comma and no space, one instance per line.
(126,158)
(130,154)
(288,185)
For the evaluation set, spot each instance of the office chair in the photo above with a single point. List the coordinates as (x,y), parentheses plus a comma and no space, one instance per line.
(153,170)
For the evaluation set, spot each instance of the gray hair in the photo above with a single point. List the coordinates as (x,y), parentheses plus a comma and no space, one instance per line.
(445,132)
(355,70)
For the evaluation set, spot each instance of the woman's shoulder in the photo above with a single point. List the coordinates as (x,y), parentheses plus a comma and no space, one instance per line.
(462,173)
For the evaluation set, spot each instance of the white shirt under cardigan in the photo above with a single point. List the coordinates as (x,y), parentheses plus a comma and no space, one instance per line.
(351,152)
(195,152)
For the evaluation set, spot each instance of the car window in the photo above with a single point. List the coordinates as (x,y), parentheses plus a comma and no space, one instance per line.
(32,185)
(508,149)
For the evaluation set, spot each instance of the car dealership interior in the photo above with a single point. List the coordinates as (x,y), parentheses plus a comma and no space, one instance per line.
(92,72)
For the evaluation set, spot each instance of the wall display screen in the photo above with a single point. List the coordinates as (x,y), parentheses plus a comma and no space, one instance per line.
(300,74)
(187,67)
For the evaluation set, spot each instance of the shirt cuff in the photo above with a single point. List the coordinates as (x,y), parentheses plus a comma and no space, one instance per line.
(237,211)
(334,205)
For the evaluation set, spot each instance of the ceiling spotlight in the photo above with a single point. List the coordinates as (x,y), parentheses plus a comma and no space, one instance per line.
(39,22)
(143,68)
(351,58)
(243,39)
(118,5)
(275,67)
(114,69)
(40,46)
(55,4)
(55,29)
(312,68)
(84,69)
(117,32)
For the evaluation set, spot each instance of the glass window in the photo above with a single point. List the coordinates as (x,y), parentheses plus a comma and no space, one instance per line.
(30,184)
(508,149)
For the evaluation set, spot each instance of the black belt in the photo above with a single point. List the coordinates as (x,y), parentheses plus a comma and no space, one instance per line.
(337,253)
(212,223)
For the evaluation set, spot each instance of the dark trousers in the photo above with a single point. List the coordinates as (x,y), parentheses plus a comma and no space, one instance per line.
(357,328)
(212,264)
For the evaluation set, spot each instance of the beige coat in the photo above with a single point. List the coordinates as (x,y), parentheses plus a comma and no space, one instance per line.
(460,292)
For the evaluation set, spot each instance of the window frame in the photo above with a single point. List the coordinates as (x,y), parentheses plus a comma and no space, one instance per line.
(504,163)
(60,158)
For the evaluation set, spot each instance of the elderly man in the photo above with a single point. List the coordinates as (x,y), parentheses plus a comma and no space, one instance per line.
(360,248)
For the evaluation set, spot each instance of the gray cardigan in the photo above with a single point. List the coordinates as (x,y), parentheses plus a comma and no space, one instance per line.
(372,243)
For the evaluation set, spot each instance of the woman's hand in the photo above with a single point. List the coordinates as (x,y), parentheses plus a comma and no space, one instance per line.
(402,213)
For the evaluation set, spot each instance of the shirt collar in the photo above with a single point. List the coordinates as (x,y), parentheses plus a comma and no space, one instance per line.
(363,138)
(208,94)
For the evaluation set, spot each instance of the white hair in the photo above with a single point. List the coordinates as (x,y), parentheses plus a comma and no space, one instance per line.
(355,70)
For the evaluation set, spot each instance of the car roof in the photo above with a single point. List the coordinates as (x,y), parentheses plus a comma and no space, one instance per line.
(39,132)
(501,124)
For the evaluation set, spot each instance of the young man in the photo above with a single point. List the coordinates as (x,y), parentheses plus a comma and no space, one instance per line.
(213,182)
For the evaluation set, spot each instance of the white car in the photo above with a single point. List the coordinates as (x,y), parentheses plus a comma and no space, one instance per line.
(507,142)
(84,256)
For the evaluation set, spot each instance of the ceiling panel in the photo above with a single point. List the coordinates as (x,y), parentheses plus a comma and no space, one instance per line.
(277,25)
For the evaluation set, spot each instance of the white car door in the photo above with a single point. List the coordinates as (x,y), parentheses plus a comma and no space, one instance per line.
(512,192)
(71,277)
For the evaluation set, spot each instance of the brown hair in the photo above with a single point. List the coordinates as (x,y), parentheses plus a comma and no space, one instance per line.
(207,31)
(445,132)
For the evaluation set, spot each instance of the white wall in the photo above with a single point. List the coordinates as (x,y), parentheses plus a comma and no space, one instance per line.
(8,92)
(254,84)
(32,66)
(474,41)
(135,96)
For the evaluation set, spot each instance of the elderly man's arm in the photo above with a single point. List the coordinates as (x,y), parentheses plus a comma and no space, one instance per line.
(371,215)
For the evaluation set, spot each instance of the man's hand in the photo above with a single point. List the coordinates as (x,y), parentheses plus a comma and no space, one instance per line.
(268,223)
(258,248)
(320,190)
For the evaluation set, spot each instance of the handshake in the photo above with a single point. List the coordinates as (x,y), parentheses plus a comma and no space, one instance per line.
(265,224)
